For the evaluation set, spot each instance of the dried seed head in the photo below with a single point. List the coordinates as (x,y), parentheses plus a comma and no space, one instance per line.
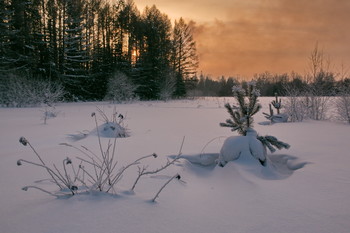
(93,114)
(68,161)
(23,141)
(25,188)
(154,155)
(19,162)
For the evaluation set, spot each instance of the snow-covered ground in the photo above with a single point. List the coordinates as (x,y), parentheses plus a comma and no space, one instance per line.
(235,198)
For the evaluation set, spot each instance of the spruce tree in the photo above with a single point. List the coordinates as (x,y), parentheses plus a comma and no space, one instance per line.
(184,59)
(242,115)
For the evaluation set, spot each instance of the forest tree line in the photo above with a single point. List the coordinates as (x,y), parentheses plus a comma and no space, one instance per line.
(319,80)
(270,84)
(93,49)
(82,45)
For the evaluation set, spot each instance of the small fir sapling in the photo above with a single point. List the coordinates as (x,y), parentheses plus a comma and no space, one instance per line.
(242,115)
(277,103)
(279,117)
(242,121)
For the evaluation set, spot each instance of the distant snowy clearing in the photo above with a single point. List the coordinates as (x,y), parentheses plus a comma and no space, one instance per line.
(303,189)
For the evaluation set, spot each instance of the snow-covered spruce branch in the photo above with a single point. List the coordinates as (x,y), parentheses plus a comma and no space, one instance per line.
(177,176)
(270,142)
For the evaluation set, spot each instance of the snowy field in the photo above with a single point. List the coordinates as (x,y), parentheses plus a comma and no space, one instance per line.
(207,199)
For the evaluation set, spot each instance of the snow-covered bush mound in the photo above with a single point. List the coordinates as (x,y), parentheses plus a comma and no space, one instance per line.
(243,147)
(112,127)
(111,130)
(247,153)
(279,118)
(105,130)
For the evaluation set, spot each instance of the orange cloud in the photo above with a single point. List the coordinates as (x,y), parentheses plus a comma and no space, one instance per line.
(275,36)
(244,37)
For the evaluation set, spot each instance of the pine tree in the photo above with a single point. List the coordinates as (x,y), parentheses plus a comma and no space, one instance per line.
(76,75)
(6,57)
(242,115)
(52,37)
(184,57)
(155,54)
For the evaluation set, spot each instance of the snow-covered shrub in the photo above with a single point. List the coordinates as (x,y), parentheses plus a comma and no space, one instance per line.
(120,88)
(49,112)
(249,144)
(317,103)
(279,117)
(342,105)
(113,126)
(295,105)
(24,91)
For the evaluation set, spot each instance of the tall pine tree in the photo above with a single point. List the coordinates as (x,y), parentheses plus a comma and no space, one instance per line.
(184,57)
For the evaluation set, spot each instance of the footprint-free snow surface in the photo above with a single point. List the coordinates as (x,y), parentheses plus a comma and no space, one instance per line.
(303,189)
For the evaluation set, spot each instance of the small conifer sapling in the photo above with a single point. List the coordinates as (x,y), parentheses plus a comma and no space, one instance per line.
(242,115)
(242,121)
(279,117)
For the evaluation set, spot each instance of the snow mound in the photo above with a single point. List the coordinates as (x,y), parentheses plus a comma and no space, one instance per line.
(200,159)
(247,153)
(106,130)
(78,136)
(111,130)
(279,118)
(278,166)
(246,148)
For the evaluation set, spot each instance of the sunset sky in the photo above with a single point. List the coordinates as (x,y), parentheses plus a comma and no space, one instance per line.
(244,37)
